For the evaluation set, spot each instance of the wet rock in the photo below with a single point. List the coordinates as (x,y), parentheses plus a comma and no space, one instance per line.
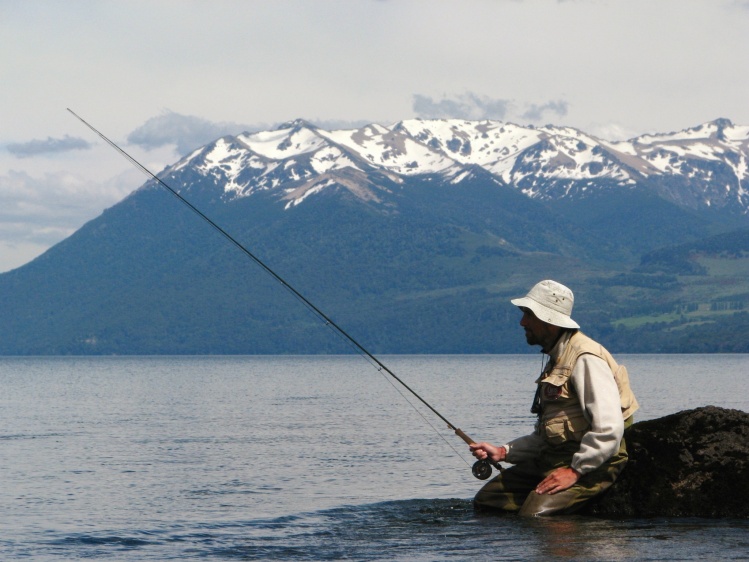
(693,463)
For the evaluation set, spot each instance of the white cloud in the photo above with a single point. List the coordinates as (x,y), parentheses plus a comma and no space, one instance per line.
(14,254)
(475,106)
(463,106)
(535,113)
(186,132)
(611,131)
(48,146)
(38,212)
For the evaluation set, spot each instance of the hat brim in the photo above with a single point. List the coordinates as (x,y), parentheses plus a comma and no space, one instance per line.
(545,314)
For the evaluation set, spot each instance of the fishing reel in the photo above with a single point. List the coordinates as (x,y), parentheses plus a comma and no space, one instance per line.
(482,469)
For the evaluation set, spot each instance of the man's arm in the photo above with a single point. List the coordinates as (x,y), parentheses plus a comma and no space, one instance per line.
(599,396)
(513,452)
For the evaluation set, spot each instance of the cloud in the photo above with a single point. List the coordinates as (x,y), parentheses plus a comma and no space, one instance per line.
(44,204)
(44,210)
(465,106)
(611,131)
(474,106)
(536,113)
(339,124)
(49,146)
(187,132)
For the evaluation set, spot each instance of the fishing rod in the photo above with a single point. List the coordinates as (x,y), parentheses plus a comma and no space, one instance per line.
(481,469)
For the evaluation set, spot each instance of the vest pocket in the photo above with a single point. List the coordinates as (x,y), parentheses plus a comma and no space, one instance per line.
(554,432)
(558,431)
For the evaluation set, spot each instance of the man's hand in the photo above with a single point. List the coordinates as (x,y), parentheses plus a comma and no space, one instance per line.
(557,481)
(485,450)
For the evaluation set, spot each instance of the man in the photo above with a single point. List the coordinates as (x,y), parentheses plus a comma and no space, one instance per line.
(583,401)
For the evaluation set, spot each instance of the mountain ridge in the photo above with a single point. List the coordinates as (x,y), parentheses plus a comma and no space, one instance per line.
(413,237)
(546,162)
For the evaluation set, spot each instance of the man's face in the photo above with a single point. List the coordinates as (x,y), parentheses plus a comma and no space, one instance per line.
(538,332)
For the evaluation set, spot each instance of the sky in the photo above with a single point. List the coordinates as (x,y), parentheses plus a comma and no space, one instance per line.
(161,77)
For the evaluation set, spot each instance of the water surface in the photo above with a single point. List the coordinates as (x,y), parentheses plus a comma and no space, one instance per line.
(161,458)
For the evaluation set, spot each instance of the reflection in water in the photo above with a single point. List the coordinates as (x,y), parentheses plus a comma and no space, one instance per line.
(574,537)
(450,529)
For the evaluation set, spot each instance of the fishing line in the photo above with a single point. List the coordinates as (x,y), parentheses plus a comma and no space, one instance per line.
(481,469)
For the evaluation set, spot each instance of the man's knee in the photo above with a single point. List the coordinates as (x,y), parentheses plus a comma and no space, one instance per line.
(537,505)
(564,502)
(499,494)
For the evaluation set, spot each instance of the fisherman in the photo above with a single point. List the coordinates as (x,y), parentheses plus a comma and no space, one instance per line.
(583,401)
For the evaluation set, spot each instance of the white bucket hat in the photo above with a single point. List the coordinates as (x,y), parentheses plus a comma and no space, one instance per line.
(551,302)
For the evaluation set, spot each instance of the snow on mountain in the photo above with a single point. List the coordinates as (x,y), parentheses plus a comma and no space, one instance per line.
(700,166)
(393,150)
(490,144)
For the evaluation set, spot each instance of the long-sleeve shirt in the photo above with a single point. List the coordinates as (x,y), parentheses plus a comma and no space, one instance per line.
(597,391)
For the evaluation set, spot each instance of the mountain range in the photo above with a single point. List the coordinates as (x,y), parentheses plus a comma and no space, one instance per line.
(412,237)
(703,166)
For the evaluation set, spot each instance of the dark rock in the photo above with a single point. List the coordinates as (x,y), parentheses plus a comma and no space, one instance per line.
(693,463)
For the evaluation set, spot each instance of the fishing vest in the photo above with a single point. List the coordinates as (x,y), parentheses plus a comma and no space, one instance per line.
(561,414)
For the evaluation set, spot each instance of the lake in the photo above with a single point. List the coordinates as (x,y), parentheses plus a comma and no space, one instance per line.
(307,457)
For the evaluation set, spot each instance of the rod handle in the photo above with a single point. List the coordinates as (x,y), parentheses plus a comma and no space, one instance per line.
(463,436)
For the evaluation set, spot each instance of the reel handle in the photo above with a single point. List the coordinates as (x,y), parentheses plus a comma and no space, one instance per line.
(481,469)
